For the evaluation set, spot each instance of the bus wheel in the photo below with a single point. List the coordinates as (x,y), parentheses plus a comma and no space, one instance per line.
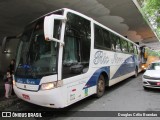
(100,87)
(136,73)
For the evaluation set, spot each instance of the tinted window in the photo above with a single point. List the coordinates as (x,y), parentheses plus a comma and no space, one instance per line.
(154,66)
(115,44)
(118,45)
(124,44)
(102,39)
(106,42)
(135,49)
(76,52)
(130,46)
(98,38)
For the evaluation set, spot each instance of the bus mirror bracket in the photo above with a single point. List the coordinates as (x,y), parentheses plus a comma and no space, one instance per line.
(49,27)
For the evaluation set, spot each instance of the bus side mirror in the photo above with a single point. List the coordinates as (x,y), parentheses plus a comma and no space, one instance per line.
(49,27)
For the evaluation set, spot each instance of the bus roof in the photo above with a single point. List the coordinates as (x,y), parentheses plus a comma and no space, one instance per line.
(86,17)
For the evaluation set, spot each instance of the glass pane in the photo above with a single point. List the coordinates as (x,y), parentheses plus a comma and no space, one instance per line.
(77,46)
(118,45)
(114,41)
(107,42)
(124,44)
(98,37)
(135,49)
(36,56)
(71,55)
(130,46)
(154,66)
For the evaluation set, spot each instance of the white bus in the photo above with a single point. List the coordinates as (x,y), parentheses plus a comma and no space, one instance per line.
(65,56)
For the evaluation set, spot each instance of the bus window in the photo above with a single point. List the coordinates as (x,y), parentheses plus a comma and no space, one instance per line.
(102,39)
(135,49)
(107,42)
(76,52)
(115,44)
(124,44)
(118,45)
(98,37)
(130,46)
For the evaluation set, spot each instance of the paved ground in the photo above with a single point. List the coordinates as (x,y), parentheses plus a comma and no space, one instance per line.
(4,103)
(128,95)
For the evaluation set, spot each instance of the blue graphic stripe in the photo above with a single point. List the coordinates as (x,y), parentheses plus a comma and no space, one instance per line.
(27,81)
(127,66)
(93,80)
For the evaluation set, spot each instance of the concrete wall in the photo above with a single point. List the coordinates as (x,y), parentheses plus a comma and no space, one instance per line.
(6,58)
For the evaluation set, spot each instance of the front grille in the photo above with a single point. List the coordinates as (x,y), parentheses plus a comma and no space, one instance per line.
(152,83)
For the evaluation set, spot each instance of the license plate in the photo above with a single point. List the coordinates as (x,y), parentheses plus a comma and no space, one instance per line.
(26,97)
(158,83)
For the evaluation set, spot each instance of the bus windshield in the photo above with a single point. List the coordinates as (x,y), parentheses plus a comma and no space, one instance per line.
(36,57)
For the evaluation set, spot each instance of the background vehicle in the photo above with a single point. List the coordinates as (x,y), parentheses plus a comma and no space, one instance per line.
(151,77)
(65,56)
(148,56)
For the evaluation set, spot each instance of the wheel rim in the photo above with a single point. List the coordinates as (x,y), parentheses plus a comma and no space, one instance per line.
(101,86)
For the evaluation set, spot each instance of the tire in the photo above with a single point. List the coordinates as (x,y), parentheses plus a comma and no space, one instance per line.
(100,87)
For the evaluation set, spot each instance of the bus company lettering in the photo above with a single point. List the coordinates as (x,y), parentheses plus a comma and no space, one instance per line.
(116,59)
(30,82)
(100,58)
(26,81)
(20,81)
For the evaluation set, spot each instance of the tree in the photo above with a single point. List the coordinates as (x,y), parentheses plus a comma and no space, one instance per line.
(151,8)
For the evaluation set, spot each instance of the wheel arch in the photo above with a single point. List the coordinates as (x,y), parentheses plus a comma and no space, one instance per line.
(105,71)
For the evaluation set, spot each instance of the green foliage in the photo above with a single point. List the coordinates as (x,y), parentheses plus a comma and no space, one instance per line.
(152,52)
(151,6)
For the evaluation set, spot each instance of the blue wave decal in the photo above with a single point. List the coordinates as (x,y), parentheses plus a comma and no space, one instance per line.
(127,66)
(28,81)
(93,80)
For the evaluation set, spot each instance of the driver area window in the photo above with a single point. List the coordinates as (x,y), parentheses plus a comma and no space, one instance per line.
(76,53)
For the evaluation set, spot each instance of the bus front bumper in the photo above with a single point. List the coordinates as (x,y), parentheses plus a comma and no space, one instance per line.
(49,98)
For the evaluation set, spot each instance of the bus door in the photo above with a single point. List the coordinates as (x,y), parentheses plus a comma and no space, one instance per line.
(76,55)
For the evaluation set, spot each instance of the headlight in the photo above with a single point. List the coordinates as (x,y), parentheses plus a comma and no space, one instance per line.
(47,86)
(146,77)
(51,85)
(143,66)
